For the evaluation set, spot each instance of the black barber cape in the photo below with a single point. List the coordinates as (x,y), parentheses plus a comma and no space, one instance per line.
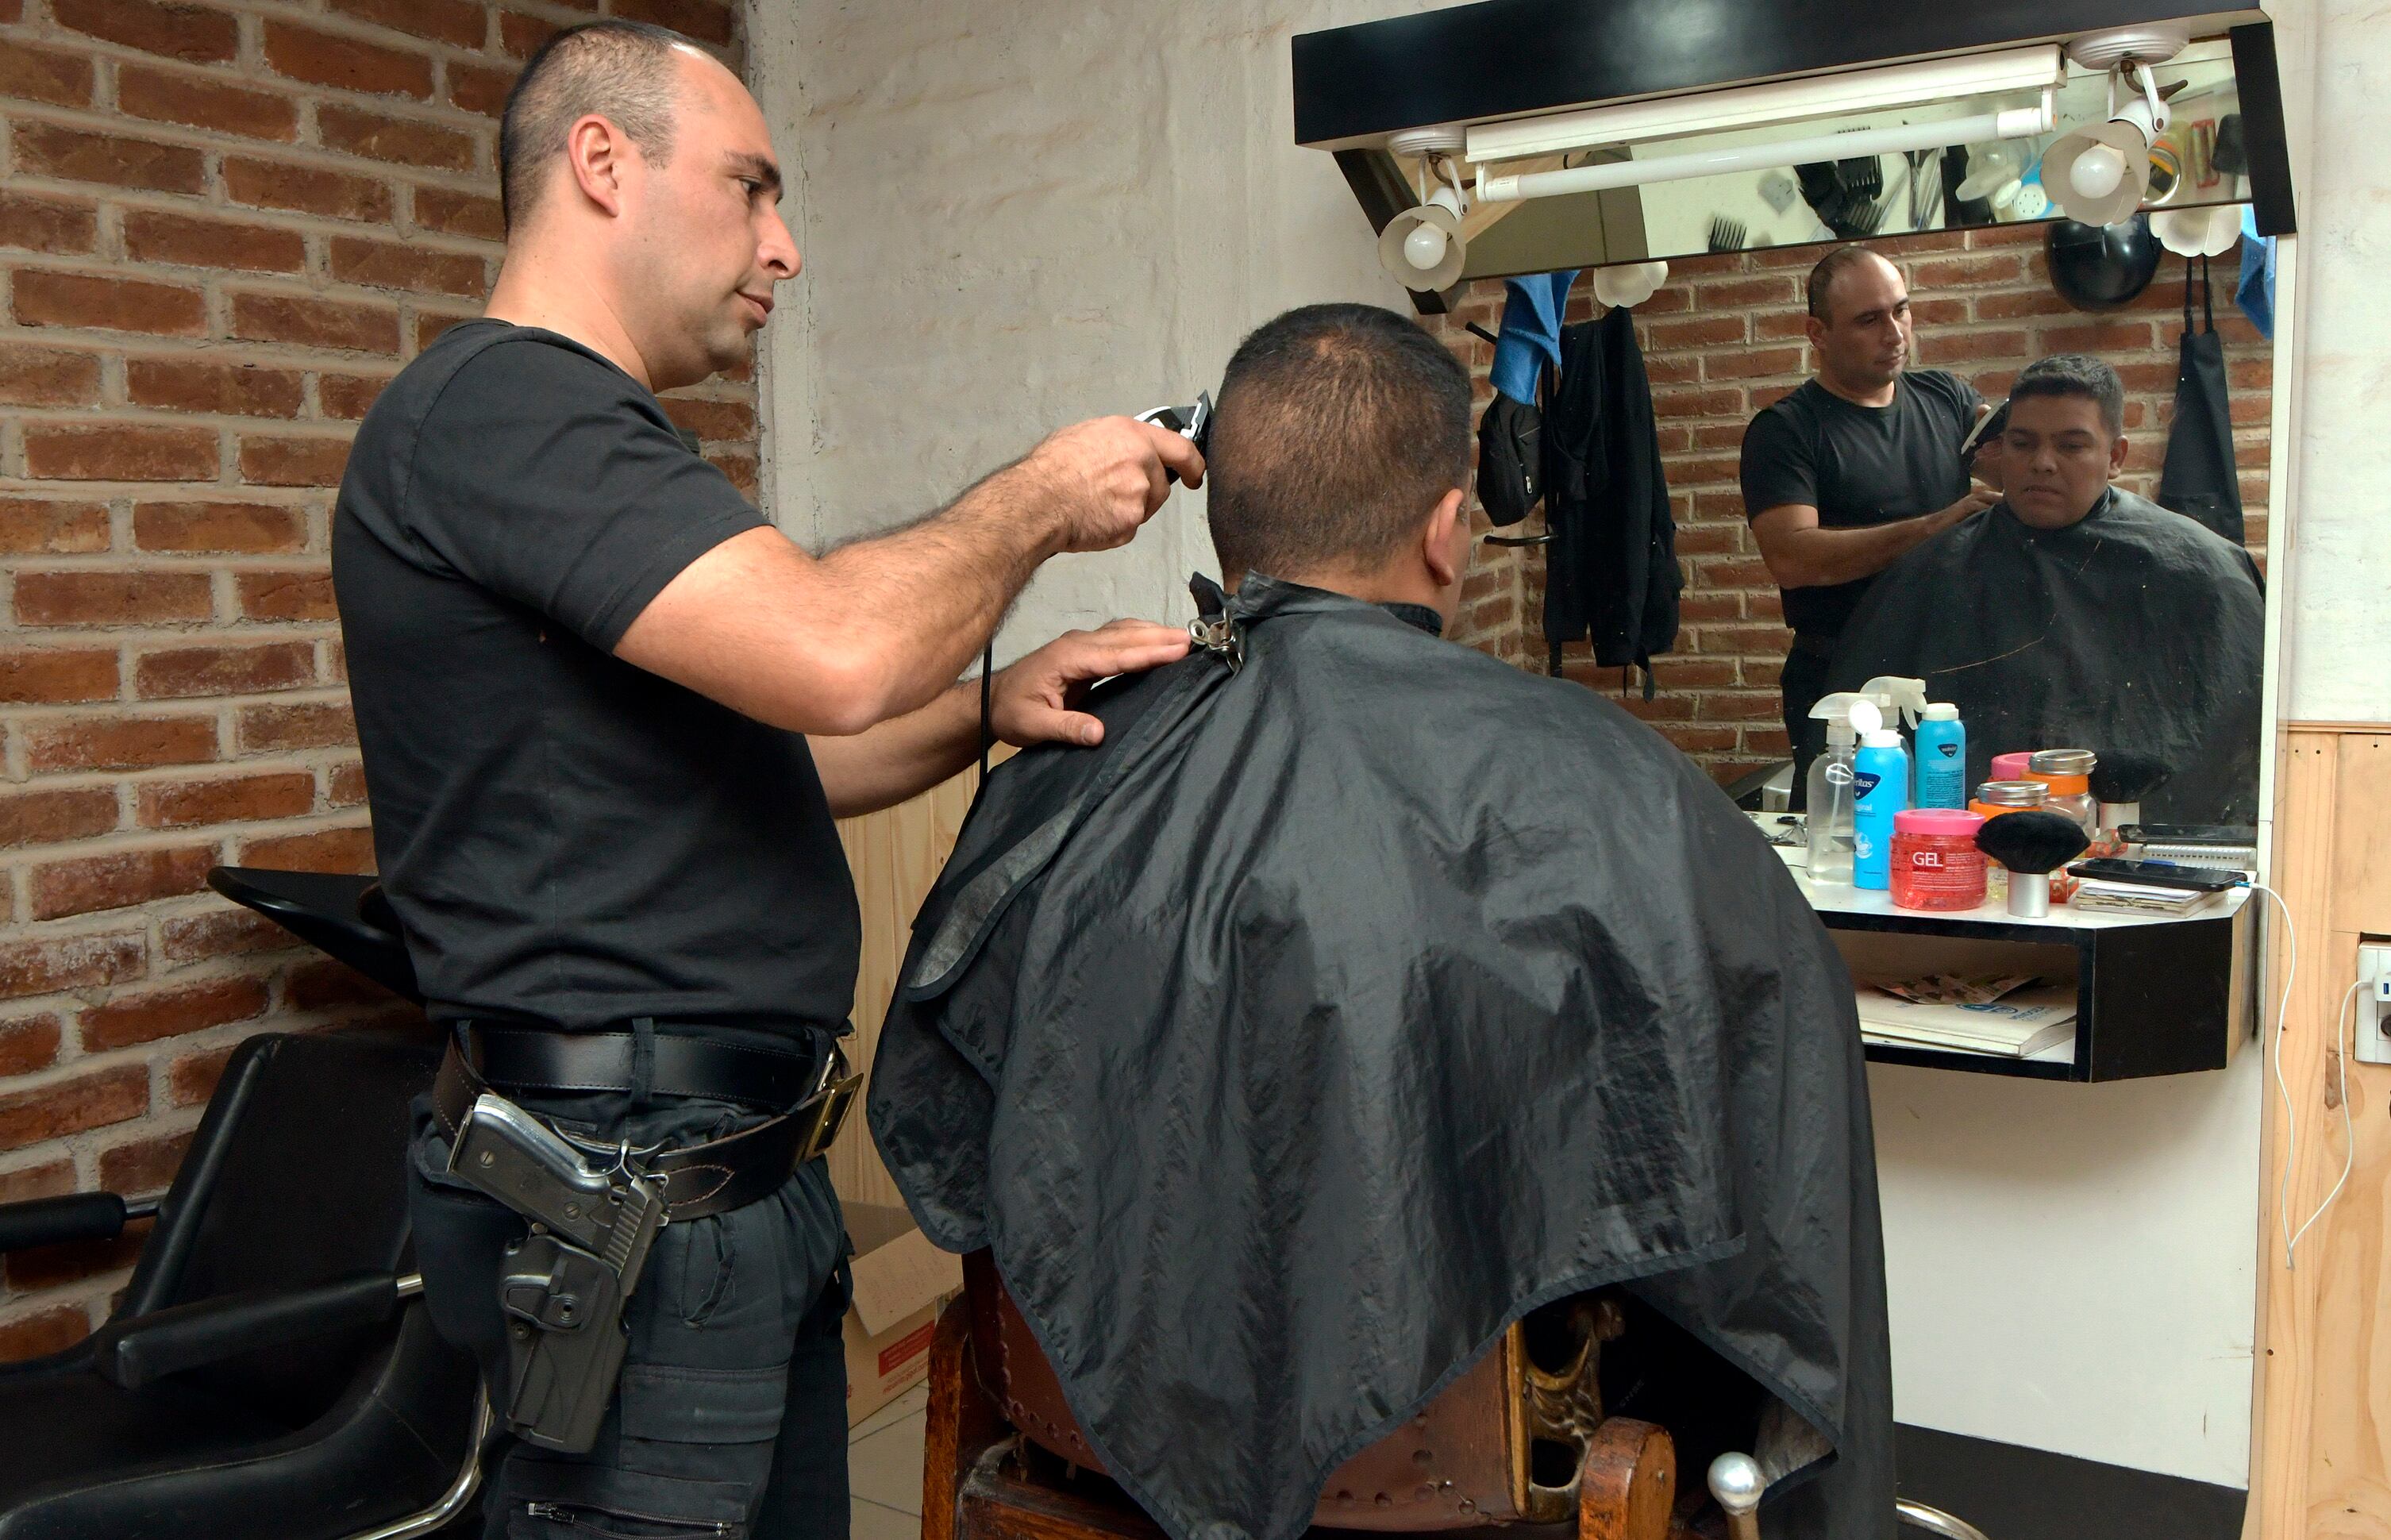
(1337,1011)
(2134,630)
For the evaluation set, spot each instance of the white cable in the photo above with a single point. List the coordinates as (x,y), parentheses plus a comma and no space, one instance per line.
(2283,1024)
(2348,1139)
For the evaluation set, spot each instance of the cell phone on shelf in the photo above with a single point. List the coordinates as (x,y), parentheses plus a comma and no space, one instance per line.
(2188,833)
(2158,873)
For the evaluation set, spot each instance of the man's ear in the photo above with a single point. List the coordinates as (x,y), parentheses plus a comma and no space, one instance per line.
(594,150)
(1445,552)
(2117,455)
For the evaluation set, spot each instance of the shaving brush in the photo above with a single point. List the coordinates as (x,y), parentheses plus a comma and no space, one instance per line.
(2119,783)
(2033,845)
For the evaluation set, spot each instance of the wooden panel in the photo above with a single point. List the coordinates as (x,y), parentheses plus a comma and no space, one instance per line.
(2322,1461)
(896,855)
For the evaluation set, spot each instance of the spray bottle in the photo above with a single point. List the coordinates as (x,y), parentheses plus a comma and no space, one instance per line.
(1902,702)
(1880,788)
(1830,792)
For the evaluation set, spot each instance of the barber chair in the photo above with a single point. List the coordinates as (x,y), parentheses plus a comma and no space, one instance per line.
(268,1373)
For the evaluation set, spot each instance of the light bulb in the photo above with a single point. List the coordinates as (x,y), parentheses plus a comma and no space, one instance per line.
(1424,247)
(2097,171)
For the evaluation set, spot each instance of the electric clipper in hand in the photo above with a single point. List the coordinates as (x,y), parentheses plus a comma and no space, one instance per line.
(1192,424)
(564,1284)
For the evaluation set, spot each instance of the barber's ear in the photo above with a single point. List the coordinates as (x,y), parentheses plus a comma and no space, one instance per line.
(593,149)
(1444,546)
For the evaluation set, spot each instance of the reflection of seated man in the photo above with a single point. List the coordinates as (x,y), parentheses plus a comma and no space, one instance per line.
(2075,614)
(1359,993)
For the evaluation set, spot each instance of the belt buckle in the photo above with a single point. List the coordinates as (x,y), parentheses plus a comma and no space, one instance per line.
(830,1105)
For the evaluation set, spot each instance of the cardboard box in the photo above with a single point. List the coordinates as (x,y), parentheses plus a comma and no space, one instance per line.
(900,1282)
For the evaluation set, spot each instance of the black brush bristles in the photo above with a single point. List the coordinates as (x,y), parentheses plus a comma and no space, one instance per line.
(2032,843)
(2128,777)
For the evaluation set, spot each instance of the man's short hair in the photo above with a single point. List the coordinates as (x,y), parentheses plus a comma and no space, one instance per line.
(1822,276)
(620,70)
(1338,428)
(2076,374)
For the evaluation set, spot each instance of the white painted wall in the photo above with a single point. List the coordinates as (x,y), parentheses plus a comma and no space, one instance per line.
(1015,217)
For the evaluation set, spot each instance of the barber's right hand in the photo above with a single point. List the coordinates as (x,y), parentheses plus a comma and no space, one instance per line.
(1107,477)
(1979,497)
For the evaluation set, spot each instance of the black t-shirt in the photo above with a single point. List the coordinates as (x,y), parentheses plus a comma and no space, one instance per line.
(564,836)
(1858,466)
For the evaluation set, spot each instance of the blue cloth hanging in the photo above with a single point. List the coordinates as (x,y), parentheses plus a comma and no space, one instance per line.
(2254,294)
(1532,331)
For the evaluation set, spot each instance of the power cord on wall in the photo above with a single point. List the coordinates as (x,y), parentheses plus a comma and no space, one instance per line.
(2290,1122)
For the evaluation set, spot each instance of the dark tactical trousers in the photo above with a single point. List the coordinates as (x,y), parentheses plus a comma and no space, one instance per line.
(732,1415)
(1804,685)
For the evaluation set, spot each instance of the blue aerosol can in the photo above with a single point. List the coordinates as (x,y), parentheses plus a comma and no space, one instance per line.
(1942,757)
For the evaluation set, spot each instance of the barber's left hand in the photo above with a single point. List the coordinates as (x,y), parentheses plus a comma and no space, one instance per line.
(1034,699)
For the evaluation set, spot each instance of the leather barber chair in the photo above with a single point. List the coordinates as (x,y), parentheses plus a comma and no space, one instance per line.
(268,1373)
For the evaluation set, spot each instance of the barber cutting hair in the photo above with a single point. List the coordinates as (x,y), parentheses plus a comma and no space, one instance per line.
(608,714)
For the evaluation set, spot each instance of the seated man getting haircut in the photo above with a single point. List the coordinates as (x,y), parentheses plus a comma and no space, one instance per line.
(1359,994)
(2074,615)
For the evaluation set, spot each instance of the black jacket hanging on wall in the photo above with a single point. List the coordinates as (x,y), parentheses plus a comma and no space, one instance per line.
(2200,479)
(1611,569)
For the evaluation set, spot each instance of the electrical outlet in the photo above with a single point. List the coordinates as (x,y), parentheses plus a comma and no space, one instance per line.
(2373,1003)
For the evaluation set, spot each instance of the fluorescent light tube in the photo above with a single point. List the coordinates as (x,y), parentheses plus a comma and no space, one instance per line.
(2037,69)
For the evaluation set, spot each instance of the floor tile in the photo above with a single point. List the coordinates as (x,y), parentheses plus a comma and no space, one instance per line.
(886,1467)
(869,1521)
(912,1403)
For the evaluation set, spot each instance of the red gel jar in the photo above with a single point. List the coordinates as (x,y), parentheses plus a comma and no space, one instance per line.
(1935,863)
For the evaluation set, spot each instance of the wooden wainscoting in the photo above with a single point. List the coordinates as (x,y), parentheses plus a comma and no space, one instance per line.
(2321,1467)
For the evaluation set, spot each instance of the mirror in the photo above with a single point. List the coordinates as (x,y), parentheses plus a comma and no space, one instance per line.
(2199,163)
(2074,612)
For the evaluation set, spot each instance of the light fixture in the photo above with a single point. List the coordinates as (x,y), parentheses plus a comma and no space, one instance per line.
(2098,174)
(2198,232)
(1422,247)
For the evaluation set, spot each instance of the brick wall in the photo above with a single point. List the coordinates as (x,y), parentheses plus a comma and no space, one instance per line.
(223,227)
(1725,338)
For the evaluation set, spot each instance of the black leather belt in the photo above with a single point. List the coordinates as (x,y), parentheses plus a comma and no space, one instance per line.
(712,1178)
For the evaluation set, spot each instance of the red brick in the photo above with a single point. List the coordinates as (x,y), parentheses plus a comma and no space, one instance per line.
(128,1019)
(58,227)
(1714,437)
(464,213)
(73,155)
(1785,326)
(442,21)
(1693,673)
(1740,708)
(86,884)
(739,468)
(30,73)
(1963,271)
(73,1106)
(1695,740)
(187,804)
(2250,374)
(220,932)
(479,90)
(144,1166)
(47,376)
(713,420)
(292,461)
(313,724)
(349,397)
(2102,337)
(1719,401)
(107,304)
(1693,608)
(50,1179)
(113,597)
(706,20)
(315,323)
(521,36)
(183,672)
(1960,347)
(163,95)
(150,235)
(55,676)
(1708,540)
(379,137)
(1738,292)
(27,1044)
(200,385)
(387,265)
(42,1333)
(348,785)
(200,34)
(2020,304)
(348,850)
(48,818)
(351,64)
(1767,740)
(246,528)
(300,595)
(192,1081)
(430,324)
(1746,364)
(307,189)
(120,742)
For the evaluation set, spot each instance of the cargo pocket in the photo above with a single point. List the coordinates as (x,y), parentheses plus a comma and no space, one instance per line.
(695,1455)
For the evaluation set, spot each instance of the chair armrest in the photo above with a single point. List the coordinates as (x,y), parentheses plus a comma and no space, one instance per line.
(134,1352)
(52,1221)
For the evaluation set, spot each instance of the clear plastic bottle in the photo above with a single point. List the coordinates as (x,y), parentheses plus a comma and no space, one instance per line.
(1830,804)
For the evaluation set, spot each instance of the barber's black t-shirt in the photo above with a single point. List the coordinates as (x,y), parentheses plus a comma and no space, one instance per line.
(563,836)
(1858,466)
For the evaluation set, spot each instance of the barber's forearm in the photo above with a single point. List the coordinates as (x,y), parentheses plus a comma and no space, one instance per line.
(1817,558)
(901,758)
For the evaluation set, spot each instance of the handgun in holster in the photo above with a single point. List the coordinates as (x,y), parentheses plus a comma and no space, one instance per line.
(564,1284)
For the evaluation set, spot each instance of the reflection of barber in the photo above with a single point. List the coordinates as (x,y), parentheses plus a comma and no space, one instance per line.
(1854,468)
(2076,615)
